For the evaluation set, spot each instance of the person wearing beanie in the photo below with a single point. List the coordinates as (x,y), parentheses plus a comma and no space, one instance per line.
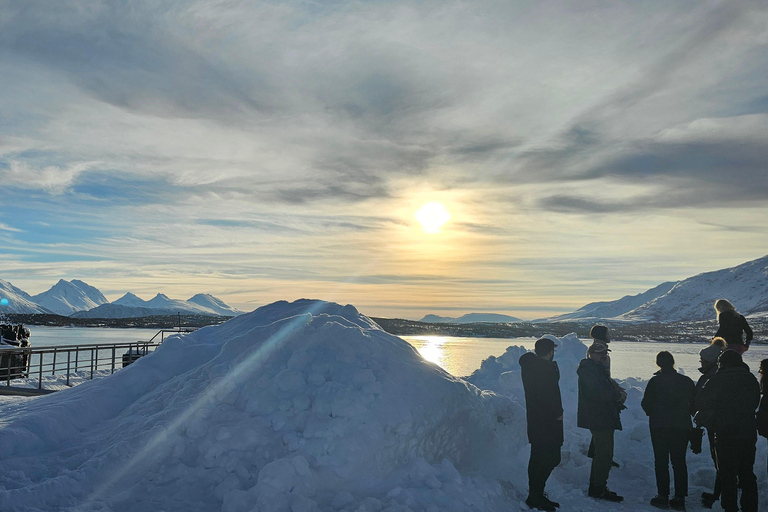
(726,404)
(599,404)
(733,327)
(601,335)
(708,358)
(668,401)
(544,416)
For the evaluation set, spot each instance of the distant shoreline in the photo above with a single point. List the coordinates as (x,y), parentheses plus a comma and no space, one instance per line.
(685,332)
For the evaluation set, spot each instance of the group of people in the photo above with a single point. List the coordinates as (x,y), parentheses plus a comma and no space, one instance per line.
(726,401)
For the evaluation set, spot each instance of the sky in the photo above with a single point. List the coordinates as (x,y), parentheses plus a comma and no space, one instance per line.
(264,151)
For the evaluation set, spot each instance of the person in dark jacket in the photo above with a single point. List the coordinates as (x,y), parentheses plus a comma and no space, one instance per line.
(599,405)
(727,404)
(762,410)
(668,402)
(544,412)
(708,357)
(733,327)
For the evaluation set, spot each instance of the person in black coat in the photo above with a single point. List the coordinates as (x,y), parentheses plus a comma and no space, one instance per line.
(727,404)
(762,410)
(708,358)
(599,405)
(668,402)
(733,327)
(544,413)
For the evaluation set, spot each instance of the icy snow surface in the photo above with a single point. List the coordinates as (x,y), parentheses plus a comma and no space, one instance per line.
(302,407)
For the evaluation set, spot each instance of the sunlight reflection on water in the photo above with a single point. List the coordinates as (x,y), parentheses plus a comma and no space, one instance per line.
(462,356)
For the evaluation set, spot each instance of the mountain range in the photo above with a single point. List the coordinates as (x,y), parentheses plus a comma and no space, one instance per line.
(80,300)
(471,318)
(691,299)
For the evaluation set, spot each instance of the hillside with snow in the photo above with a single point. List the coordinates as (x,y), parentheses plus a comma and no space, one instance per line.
(67,297)
(745,285)
(19,301)
(691,299)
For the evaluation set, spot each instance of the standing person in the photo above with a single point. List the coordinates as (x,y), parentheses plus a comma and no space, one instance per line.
(732,327)
(727,404)
(668,402)
(544,413)
(599,405)
(762,411)
(708,358)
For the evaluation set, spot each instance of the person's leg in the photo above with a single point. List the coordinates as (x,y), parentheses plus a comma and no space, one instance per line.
(747,478)
(601,463)
(727,455)
(677,447)
(660,445)
(535,482)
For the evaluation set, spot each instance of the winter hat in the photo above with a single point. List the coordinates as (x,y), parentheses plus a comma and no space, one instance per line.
(544,345)
(711,353)
(729,358)
(600,333)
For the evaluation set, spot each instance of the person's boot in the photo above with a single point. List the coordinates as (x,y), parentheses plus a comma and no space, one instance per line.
(660,502)
(677,503)
(553,503)
(604,494)
(539,503)
(708,499)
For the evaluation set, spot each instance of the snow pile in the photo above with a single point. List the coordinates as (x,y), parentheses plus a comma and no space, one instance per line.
(305,406)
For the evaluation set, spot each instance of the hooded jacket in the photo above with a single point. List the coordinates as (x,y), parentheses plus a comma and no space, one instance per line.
(599,398)
(543,403)
(668,400)
(732,325)
(727,402)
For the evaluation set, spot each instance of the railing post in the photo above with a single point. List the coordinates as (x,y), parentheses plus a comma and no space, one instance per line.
(9,371)
(69,356)
(113,360)
(53,366)
(40,374)
(77,356)
(97,353)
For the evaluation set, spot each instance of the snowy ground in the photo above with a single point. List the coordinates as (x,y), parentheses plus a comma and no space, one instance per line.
(303,407)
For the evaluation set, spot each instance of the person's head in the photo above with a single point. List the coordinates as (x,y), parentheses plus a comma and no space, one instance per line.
(763,374)
(664,360)
(722,305)
(710,354)
(598,352)
(545,347)
(729,359)
(600,333)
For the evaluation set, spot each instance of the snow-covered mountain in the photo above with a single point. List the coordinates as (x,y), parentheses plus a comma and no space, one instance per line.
(471,318)
(745,286)
(215,304)
(67,297)
(611,309)
(132,306)
(19,301)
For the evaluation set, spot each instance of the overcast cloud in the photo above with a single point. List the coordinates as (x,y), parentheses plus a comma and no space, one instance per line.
(210,144)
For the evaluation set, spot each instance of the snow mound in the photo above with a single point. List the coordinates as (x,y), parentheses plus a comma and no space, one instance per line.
(302,406)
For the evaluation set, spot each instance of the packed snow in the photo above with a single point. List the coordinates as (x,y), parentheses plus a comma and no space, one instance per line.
(307,407)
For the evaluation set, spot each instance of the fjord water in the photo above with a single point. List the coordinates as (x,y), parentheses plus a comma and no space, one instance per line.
(462,356)
(459,356)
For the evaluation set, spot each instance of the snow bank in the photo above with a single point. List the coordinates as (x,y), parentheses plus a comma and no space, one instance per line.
(294,407)
(306,407)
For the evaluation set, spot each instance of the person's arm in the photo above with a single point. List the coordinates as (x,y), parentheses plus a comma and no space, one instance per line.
(648,397)
(747,330)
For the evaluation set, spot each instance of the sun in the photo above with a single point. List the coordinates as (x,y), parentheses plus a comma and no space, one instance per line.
(432,216)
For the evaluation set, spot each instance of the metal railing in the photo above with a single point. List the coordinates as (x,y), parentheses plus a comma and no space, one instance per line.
(39,362)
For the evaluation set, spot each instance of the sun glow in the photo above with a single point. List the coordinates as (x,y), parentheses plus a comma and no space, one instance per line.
(432,216)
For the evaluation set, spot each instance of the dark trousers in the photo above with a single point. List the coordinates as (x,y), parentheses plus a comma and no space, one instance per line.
(544,458)
(602,459)
(735,462)
(670,444)
(711,437)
